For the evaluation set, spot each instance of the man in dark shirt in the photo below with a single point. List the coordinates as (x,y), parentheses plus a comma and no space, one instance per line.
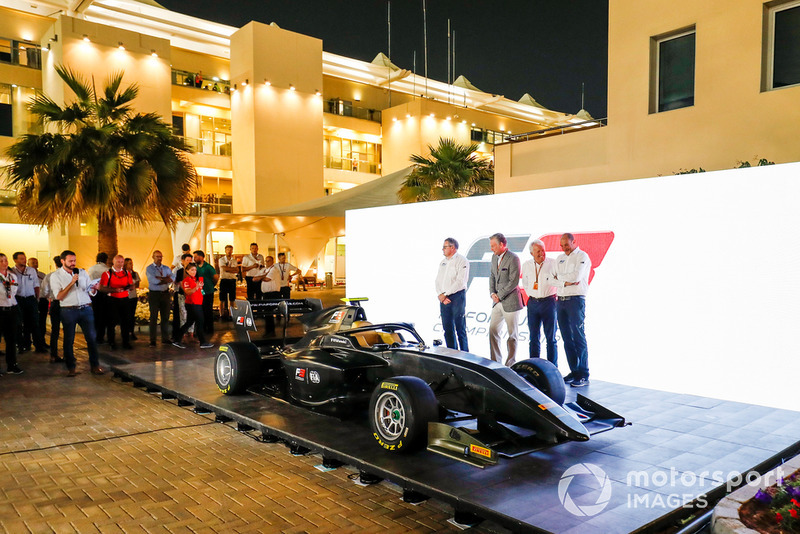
(210,277)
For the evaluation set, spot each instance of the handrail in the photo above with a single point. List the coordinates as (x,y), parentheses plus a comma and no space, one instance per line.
(196,80)
(573,126)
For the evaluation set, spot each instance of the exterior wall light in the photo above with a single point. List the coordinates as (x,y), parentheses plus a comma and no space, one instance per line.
(267,82)
(394,119)
(408,115)
(245,82)
(120,46)
(153,53)
(448,118)
(291,87)
(318,93)
(234,87)
(86,38)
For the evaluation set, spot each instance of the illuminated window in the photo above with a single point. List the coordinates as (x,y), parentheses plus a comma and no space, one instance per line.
(15,118)
(351,155)
(672,71)
(782,50)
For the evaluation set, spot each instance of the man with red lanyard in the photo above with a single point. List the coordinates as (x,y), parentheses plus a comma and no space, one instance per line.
(538,280)
(116,283)
(8,314)
(193,290)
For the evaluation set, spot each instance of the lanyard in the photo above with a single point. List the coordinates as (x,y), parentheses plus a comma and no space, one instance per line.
(280,266)
(538,270)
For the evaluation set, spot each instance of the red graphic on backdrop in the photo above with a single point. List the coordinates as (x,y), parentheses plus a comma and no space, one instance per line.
(595,244)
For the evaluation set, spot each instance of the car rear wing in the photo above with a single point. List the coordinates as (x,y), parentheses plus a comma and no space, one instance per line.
(245,312)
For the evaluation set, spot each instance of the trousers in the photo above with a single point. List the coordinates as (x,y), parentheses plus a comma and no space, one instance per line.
(542,314)
(84,316)
(571,315)
(499,315)
(454,321)
(159,304)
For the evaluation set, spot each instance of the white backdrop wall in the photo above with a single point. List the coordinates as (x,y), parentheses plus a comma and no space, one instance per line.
(698,291)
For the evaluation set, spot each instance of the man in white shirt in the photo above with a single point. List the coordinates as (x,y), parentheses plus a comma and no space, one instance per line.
(70,286)
(286,270)
(506,298)
(251,264)
(9,314)
(28,302)
(451,288)
(537,281)
(572,283)
(228,269)
(268,277)
(178,260)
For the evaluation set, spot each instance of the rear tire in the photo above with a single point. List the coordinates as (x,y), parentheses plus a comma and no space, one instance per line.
(400,410)
(544,376)
(237,367)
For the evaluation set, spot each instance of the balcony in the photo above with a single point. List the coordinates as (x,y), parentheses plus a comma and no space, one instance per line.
(212,204)
(345,108)
(209,146)
(20,53)
(192,79)
(351,164)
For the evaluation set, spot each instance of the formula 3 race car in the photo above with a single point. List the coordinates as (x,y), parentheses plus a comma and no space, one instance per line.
(462,405)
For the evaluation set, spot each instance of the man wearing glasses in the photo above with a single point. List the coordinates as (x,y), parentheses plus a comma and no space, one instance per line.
(451,287)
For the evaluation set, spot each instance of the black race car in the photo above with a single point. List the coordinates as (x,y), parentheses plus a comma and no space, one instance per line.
(465,406)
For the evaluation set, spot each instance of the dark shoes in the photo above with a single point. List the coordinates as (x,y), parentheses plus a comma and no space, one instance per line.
(72,372)
(133,336)
(56,359)
(152,343)
(98,371)
(127,346)
(14,370)
(178,344)
(580,382)
(206,345)
(569,378)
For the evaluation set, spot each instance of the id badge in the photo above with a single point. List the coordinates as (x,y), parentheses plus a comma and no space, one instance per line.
(535,286)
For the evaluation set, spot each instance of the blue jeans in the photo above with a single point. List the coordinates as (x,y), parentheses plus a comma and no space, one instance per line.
(542,314)
(454,320)
(85,318)
(571,314)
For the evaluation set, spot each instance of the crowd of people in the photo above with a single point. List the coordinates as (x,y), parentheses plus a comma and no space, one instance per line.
(556,294)
(104,297)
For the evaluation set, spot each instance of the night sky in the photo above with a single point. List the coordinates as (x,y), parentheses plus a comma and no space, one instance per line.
(544,47)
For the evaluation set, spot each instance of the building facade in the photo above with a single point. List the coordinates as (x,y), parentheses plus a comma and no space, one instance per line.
(272,118)
(690,85)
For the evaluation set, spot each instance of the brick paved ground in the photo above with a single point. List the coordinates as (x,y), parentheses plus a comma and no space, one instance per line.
(92,454)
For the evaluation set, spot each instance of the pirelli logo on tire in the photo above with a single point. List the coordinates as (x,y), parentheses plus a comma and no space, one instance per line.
(388,385)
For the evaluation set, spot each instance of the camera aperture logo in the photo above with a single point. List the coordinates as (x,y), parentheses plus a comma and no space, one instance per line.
(603,492)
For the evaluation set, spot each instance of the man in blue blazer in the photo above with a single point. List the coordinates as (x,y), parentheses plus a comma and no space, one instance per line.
(506,298)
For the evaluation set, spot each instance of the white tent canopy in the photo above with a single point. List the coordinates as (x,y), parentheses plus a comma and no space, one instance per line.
(308,226)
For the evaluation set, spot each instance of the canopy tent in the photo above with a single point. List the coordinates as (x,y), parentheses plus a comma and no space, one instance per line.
(529,100)
(464,83)
(308,226)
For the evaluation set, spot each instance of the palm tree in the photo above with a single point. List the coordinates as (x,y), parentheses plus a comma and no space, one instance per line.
(452,170)
(98,158)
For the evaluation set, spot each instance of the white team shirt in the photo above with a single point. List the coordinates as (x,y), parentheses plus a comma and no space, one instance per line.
(79,293)
(573,268)
(274,279)
(28,280)
(225,262)
(546,287)
(44,290)
(249,260)
(11,279)
(453,275)
(284,270)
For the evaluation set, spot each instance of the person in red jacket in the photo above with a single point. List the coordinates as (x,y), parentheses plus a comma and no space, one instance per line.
(193,290)
(116,283)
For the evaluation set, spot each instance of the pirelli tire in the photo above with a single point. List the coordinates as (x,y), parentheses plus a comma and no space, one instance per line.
(237,367)
(544,376)
(400,410)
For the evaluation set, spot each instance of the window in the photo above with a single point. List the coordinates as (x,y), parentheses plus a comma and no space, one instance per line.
(782,44)
(672,71)
(351,155)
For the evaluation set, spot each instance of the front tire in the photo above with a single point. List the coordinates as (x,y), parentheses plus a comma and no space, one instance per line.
(400,410)
(544,376)
(237,367)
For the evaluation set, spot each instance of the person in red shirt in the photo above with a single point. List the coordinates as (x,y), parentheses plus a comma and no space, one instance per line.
(193,290)
(116,283)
